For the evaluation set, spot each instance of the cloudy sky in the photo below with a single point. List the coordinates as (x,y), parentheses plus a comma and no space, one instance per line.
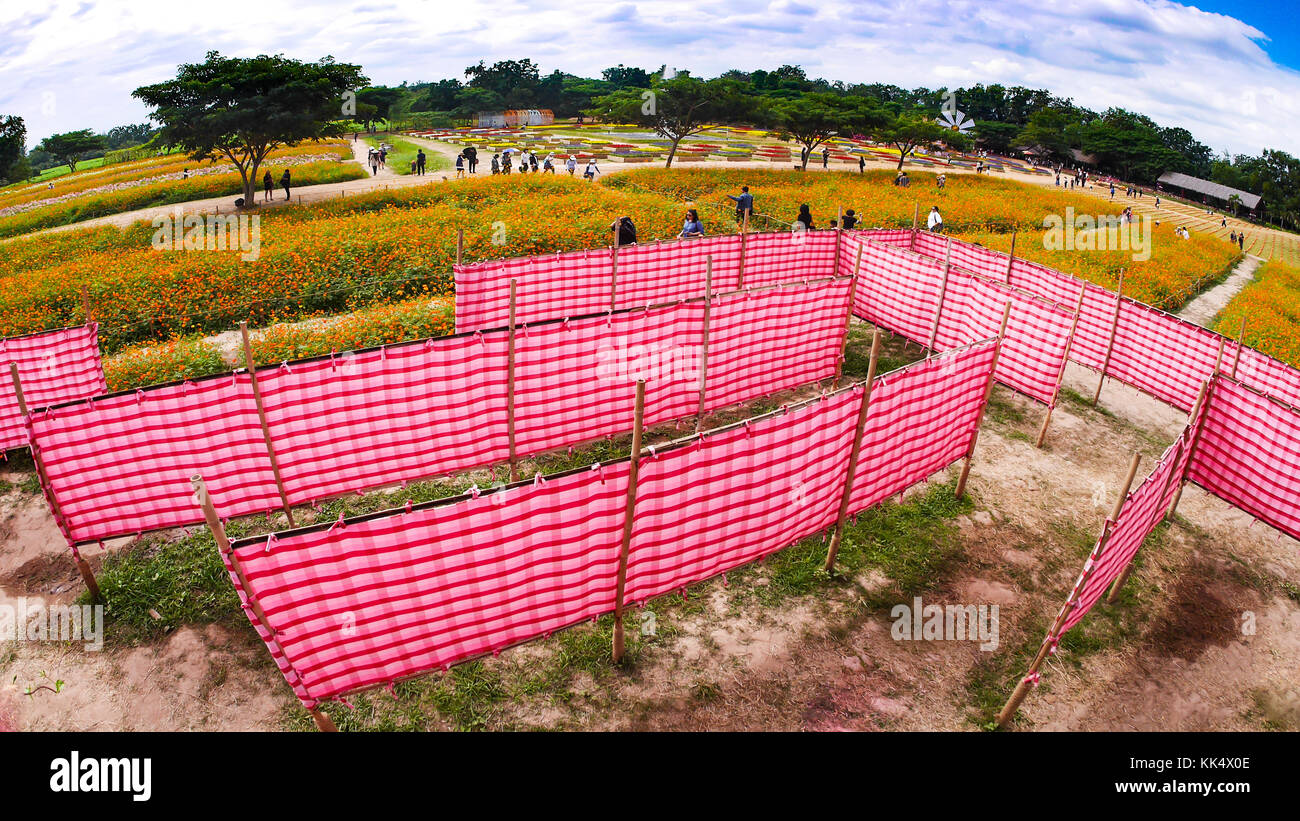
(1232,82)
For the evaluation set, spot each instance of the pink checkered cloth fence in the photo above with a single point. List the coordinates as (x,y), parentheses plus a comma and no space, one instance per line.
(1155,352)
(374,600)
(585,282)
(1141,513)
(55,366)
(362,420)
(900,290)
(1248,454)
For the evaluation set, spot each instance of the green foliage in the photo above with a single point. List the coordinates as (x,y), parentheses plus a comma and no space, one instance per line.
(73,146)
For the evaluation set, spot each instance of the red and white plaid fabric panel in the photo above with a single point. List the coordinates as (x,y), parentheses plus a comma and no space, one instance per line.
(738,495)
(547,287)
(1275,378)
(1142,511)
(1249,455)
(965,255)
(776,258)
(1037,335)
(656,273)
(1095,318)
(896,290)
(372,418)
(122,464)
(761,343)
(576,381)
(54,367)
(375,601)
(921,420)
(898,237)
(1162,355)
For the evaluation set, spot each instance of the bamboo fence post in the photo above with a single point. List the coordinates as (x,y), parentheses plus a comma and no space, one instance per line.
(1118,584)
(460,245)
(839,219)
(744,234)
(943,292)
(704,352)
(83,566)
(916,215)
(1011,258)
(85,304)
(1241,339)
(1060,375)
(1022,689)
(1206,396)
(1218,360)
(204,499)
(848,318)
(510,387)
(833,550)
(634,467)
(988,393)
(613,276)
(1110,344)
(261,416)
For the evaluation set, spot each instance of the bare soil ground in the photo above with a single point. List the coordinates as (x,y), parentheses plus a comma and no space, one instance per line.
(1204,638)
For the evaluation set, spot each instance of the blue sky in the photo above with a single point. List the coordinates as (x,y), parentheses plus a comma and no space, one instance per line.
(1230,74)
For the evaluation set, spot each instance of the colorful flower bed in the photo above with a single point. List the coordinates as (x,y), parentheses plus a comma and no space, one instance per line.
(1271,307)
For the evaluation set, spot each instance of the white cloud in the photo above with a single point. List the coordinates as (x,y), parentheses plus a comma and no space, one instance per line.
(1181,66)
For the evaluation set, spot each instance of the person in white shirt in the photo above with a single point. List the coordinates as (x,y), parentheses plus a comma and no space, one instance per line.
(934,222)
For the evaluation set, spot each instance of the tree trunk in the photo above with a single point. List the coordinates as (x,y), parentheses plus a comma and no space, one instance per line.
(807,155)
(672,152)
(902,157)
(250,181)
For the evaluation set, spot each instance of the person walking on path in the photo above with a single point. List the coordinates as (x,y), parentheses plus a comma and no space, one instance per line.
(496,163)
(826,158)
(934,222)
(374,163)
(284,183)
(420,159)
(805,218)
(471,154)
(862,165)
(506,163)
(268,187)
(592,170)
(1241,240)
(460,166)
(691,227)
(571,164)
(744,203)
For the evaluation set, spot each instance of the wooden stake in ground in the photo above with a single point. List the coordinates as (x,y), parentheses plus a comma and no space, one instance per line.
(1110,343)
(83,566)
(848,316)
(916,215)
(510,387)
(85,304)
(839,220)
(460,245)
(1118,584)
(854,452)
(1031,678)
(1206,395)
(1011,258)
(629,511)
(744,234)
(988,393)
(613,276)
(1241,339)
(204,499)
(1060,375)
(704,351)
(943,292)
(266,428)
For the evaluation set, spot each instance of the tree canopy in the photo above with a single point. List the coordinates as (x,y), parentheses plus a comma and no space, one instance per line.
(72,147)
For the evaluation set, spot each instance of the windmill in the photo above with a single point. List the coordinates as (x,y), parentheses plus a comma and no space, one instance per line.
(951,118)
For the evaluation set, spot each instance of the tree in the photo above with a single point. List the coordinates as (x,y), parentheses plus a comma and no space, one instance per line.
(13,145)
(73,146)
(126,136)
(676,108)
(910,131)
(375,104)
(1046,133)
(995,137)
(813,117)
(243,108)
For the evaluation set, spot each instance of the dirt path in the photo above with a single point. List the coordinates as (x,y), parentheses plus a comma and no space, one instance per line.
(1211,303)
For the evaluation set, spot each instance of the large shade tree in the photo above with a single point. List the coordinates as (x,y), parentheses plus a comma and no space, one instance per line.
(908,131)
(678,107)
(812,118)
(73,147)
(244,108)
(13,140)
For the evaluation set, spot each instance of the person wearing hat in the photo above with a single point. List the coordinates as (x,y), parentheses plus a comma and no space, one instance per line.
(572,164)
